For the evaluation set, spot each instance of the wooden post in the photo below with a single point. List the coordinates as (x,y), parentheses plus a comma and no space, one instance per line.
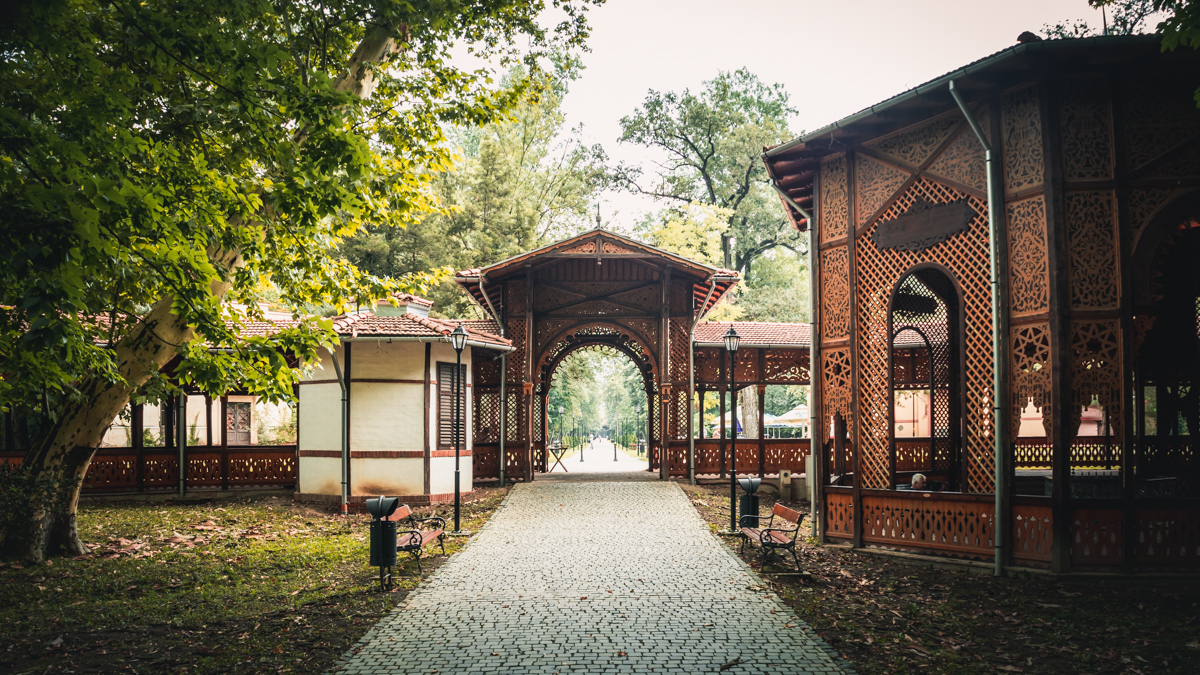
(529,365)
(762,420)
(224,442)
(208,404)
(428,449)
(851,246)
(664,385)
(137,426)
(650,428)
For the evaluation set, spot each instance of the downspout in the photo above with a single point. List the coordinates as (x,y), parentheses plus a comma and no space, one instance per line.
(337,367)
(503,460)
(814,422)
(999,272)
(712,286)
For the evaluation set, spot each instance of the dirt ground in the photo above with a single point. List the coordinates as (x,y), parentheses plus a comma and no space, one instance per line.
(258,585)
(886,616)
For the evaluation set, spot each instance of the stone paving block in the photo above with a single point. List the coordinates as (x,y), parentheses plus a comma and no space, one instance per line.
(592,577)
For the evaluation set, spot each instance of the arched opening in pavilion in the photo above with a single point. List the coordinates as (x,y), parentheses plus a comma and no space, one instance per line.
(926,379)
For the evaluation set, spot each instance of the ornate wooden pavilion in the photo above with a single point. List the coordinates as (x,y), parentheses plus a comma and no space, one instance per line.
(1095,187)
(600,288)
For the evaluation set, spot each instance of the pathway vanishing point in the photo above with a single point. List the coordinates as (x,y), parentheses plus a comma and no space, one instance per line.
(592,577)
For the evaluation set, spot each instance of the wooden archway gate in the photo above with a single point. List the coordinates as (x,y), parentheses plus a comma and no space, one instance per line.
(598,288)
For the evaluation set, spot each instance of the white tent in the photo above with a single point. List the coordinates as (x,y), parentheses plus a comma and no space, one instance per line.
(795,417)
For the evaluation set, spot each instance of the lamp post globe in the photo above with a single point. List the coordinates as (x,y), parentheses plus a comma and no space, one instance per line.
(732,339)
(458,339)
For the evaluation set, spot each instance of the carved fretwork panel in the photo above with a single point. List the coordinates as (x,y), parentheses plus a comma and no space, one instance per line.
(962,160)
(835,198)
(1085,126)
(835,389)
(1031,373)
(1182,163)
(1029,283)
(874,183)
(1158,116)
(835,293)
(1144,204)
(965,255)
(1022,137)
(680,337)
(485,371)
(516,358)
(747,366)
(788,366)
(1092,249)
(1095,353)
(645,330)
(516,297)
(914,145)
(708,364)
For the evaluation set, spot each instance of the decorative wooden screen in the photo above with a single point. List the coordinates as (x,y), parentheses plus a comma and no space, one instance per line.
(237,422)
(445,404)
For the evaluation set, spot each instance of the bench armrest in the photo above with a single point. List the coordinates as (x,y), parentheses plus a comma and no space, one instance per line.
(407,538)
(793,531)
(748,520)
(440,521)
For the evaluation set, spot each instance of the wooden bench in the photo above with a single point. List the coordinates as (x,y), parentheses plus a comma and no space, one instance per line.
(412,541)
(771,538)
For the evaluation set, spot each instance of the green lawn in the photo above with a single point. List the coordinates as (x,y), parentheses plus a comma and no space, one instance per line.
(250,585)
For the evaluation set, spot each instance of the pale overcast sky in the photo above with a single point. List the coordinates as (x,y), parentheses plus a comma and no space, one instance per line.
(834,58)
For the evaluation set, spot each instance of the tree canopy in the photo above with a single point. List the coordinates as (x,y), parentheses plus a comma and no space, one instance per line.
(160,158)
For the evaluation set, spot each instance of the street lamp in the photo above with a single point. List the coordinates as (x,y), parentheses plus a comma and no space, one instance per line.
(731,345)
(459,340)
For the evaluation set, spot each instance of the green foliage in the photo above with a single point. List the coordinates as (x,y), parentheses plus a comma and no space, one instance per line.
(1124,17)
(712,143)
(24,495)
(139,141)
(600,392)
(513,185)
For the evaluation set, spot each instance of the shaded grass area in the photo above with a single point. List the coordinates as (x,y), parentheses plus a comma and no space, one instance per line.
(247,586)
(886,616)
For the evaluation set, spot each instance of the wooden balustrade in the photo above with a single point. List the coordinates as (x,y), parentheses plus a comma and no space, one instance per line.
(117,469)
(779,453)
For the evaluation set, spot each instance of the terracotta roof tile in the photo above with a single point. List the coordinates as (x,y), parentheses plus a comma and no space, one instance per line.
(411,325)
(754,333)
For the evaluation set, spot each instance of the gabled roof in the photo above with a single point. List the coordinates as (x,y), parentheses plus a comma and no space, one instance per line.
(367,324)
(596,244)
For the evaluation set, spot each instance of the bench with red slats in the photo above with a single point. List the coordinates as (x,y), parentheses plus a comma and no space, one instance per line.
(771,538)
(412,541)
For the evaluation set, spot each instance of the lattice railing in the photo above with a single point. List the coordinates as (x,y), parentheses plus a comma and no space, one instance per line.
(961,525)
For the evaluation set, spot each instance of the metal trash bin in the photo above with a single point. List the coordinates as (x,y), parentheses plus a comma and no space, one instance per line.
(383,537)
(748,502)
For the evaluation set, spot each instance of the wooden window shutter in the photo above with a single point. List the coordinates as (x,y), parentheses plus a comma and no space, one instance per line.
(445,405)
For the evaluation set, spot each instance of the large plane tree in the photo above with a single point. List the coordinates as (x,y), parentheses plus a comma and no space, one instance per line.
(160,159)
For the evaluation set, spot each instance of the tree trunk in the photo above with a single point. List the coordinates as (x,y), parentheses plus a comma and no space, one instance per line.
(65,451)
(748,415)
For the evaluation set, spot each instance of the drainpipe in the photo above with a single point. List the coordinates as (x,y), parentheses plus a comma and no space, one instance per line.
(999,271)
(337,367)
(503,380)
(712,286)
(814,422)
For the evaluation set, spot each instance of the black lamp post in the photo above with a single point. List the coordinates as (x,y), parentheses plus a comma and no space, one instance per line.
(459,340)
(731,345)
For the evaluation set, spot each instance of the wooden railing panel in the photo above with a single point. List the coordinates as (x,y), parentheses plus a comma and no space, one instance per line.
(930,522)
(1031,531)
(839,513)
(485,461)
(1096,537)
(1168,538)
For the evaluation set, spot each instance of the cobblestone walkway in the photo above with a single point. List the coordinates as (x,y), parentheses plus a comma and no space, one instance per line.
(592,578)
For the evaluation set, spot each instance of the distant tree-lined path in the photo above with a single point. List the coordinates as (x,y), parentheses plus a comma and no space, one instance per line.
(593,577)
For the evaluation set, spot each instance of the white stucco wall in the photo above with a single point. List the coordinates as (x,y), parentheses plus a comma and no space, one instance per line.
(386,415)
(320,475)
(387,476)
(441,475)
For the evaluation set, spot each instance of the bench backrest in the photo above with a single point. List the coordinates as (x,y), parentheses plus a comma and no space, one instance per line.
(401,513)
(784,512)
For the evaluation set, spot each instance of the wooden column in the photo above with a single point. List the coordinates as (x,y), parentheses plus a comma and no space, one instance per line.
(851,247)
(529,365)
(762,422)
(224,442)
(426,395)
(665,366)
(650,428)
(724,455)
(208,429)
(544,402)
(136,439)
(1060,336)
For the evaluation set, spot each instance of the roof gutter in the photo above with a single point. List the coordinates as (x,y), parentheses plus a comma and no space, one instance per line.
(763,345)
(430,338)
(999,274)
